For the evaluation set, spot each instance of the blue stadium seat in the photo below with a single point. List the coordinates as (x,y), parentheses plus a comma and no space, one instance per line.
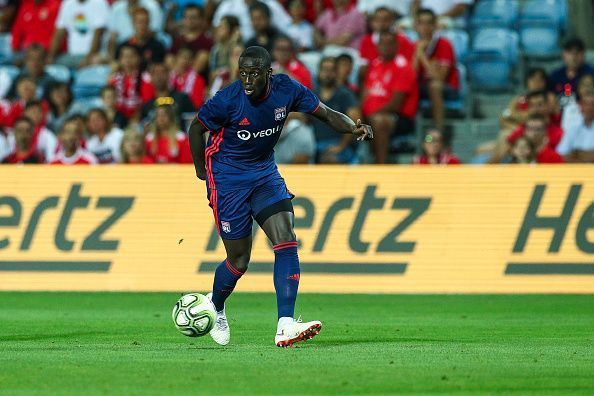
(495,13)
(5,48)
(84,105)
(59,73)
(11,71)
(501,40)
(89,81)
(489,70)
(459,39)
(540,27)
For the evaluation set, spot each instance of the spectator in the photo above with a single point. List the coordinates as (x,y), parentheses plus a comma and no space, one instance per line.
(44,142)
(241,10)
(538,105)
(25,93)
(572,113)
(390,97)
(435,63)
(264,33)
(8,9)
(227,35)
(232,74)
(71,152)
(399,8)
(132,151)
(284,61)
(24,151)
(108,103)
(166,143)
(344,25)
(195,35)
(34,67)
(83,22)
(296,144)
(535,130)
(185,79)
(121,28)
(522,151)
(34,24)
(151,49)
(160,89)
(564,80)
(451,13)
(330,146)
(345,65)
(434,152)
(300,30)
(516,113)
(383,20)
(131,85)
(577,144)
(59,99)
(105,141)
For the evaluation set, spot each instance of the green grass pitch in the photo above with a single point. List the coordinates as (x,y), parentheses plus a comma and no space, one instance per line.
(125,343)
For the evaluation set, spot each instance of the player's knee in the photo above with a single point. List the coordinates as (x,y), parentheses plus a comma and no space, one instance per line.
(240,261)
(285,236)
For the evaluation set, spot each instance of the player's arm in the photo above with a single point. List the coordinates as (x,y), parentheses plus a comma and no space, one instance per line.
(342,123)
(196,137)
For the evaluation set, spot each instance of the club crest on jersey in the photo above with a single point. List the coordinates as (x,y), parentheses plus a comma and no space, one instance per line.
(280,113)
(225,226)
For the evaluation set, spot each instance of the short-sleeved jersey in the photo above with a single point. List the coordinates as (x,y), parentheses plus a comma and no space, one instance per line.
(243,132)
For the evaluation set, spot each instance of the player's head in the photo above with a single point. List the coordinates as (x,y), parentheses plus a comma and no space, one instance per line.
(387,46)
(425,23)
(255,71)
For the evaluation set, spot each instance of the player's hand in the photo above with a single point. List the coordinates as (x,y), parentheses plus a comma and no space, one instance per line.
(201,174)
(362,131)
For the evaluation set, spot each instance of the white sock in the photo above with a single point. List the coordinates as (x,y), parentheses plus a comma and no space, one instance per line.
(282,322)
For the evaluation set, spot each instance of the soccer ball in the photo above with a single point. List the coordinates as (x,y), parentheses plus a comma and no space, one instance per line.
(194,315)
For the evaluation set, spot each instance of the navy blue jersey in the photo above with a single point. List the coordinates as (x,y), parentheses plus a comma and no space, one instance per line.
(243,132)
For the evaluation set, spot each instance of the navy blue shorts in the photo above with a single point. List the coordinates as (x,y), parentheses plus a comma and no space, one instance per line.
(235,210)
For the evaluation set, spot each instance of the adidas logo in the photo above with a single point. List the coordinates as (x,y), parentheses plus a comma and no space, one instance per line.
(294,277)
(244,122)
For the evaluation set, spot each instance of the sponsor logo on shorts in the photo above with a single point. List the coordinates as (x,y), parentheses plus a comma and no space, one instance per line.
(225,226)
(280,113)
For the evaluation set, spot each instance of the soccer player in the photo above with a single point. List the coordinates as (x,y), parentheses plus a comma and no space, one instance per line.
(243,183)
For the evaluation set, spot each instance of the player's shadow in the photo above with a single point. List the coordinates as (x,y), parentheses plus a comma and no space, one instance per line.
(50,336)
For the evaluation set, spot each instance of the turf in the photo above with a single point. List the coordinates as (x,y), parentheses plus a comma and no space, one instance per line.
(125,343)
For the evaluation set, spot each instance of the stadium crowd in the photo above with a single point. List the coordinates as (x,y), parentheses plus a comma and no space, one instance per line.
(165,58)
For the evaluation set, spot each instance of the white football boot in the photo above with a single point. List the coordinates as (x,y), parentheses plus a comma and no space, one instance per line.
(220,333)
(292,331)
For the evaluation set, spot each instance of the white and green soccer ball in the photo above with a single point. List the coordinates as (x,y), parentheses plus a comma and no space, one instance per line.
(194,315)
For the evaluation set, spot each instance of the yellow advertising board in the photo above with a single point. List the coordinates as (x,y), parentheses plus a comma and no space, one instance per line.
(366,229)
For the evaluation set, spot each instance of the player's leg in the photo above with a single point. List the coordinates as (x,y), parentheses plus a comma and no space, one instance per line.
(277,222)
(234,224)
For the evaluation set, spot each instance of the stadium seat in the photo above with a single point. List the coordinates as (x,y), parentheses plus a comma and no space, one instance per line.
(495,13)
(5,48)
(89,81)
(540,27)
(59,73)
(489,70)
(501,40)
(83,105)
(459,39)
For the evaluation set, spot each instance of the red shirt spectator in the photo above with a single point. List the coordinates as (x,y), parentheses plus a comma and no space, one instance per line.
(385,78)
(368,49)
(34,23)
(80,157)
(299,72)
(132,90)
(441,51)
(548,156)
(162,151)
(554,133)
(191,83)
